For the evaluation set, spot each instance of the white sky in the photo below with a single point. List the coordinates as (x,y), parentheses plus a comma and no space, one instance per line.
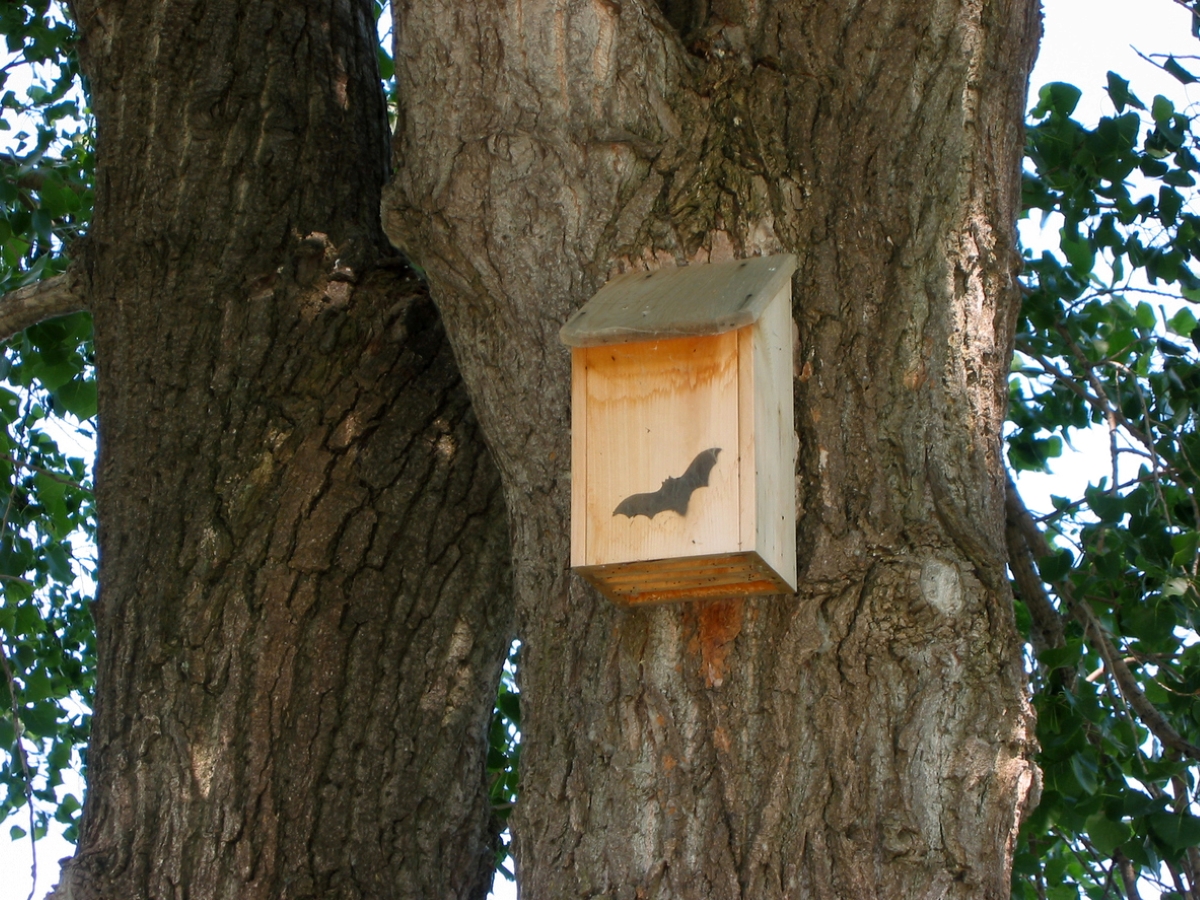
(1083,40)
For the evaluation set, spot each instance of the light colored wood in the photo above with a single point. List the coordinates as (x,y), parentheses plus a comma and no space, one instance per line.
(578,458)
(676,302)
(774,438)
(651,408)
(641,413)
(747,462)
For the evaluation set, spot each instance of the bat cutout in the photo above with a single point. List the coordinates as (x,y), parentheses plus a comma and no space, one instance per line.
(674,493)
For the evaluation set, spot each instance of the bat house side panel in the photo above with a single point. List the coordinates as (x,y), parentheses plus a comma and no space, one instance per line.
(775,437)
(578,457)
(662,422)
(747,461)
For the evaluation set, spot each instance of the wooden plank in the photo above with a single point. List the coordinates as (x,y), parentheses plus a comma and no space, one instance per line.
(652,409)
(676,568)
(654,598)
(775,443)
(578,457)
(747,461)
(702,299)
(634,583)
(722,575)
(663,570)
(657,573)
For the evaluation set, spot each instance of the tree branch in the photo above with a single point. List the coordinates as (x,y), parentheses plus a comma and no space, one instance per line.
(30,173)
(1111,411)
(1128,874)
(1127,683)
(53,476)
(1021,521)
(974,544)
(1025,544)
(1047,623)
(46,299)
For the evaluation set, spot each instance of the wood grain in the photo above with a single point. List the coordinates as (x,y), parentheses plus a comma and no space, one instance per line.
(578,457)
(774,535)
(650,409)
(698,577)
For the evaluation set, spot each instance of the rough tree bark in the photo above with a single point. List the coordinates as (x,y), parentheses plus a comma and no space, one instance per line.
(868,737)
(304,591)
(304,554)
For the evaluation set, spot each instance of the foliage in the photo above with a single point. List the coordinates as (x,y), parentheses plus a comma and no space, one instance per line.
(46,175)
(47,523)
(504,757)
(1105,340)
(387,66)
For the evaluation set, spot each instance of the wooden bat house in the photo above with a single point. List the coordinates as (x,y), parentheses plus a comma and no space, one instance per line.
(682,441)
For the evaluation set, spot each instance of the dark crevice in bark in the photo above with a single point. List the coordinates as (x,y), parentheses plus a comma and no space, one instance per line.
(685,16)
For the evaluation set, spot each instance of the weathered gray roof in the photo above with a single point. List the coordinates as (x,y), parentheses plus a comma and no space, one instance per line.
(700,299)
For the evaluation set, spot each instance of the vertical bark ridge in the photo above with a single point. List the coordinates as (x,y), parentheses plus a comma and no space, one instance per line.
(868,737)
(304,598)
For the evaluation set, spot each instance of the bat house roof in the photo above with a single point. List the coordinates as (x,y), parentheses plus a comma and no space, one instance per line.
(684,301)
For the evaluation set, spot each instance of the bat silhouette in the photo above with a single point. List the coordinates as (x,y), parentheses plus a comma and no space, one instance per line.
(674,493)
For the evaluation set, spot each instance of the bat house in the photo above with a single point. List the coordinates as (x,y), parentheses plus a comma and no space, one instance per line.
(682,442)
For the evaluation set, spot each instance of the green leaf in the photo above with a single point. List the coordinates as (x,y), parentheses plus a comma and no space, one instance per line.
(1078,251)
(1170,202)
(1161,109)
(1145,316)
(1183,323)
(509,705)
(1085,772)
(1107,834)
(1062,892)
(59,563)
(41,719)
(387,68)
(1177,831)
(1182,75)
(1055,566)
(37,686)
(1107,507)
(67,807)
(78,397)
(1118,91)
(1057,657)
(1057,97)
(1184,545)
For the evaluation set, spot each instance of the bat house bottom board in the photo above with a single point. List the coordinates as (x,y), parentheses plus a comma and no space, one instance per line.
(687,578)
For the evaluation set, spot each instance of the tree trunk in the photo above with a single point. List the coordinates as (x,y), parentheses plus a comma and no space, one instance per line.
(304,596)
(868,737)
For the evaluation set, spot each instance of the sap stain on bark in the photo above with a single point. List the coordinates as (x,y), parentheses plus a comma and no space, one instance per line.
(717,625)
